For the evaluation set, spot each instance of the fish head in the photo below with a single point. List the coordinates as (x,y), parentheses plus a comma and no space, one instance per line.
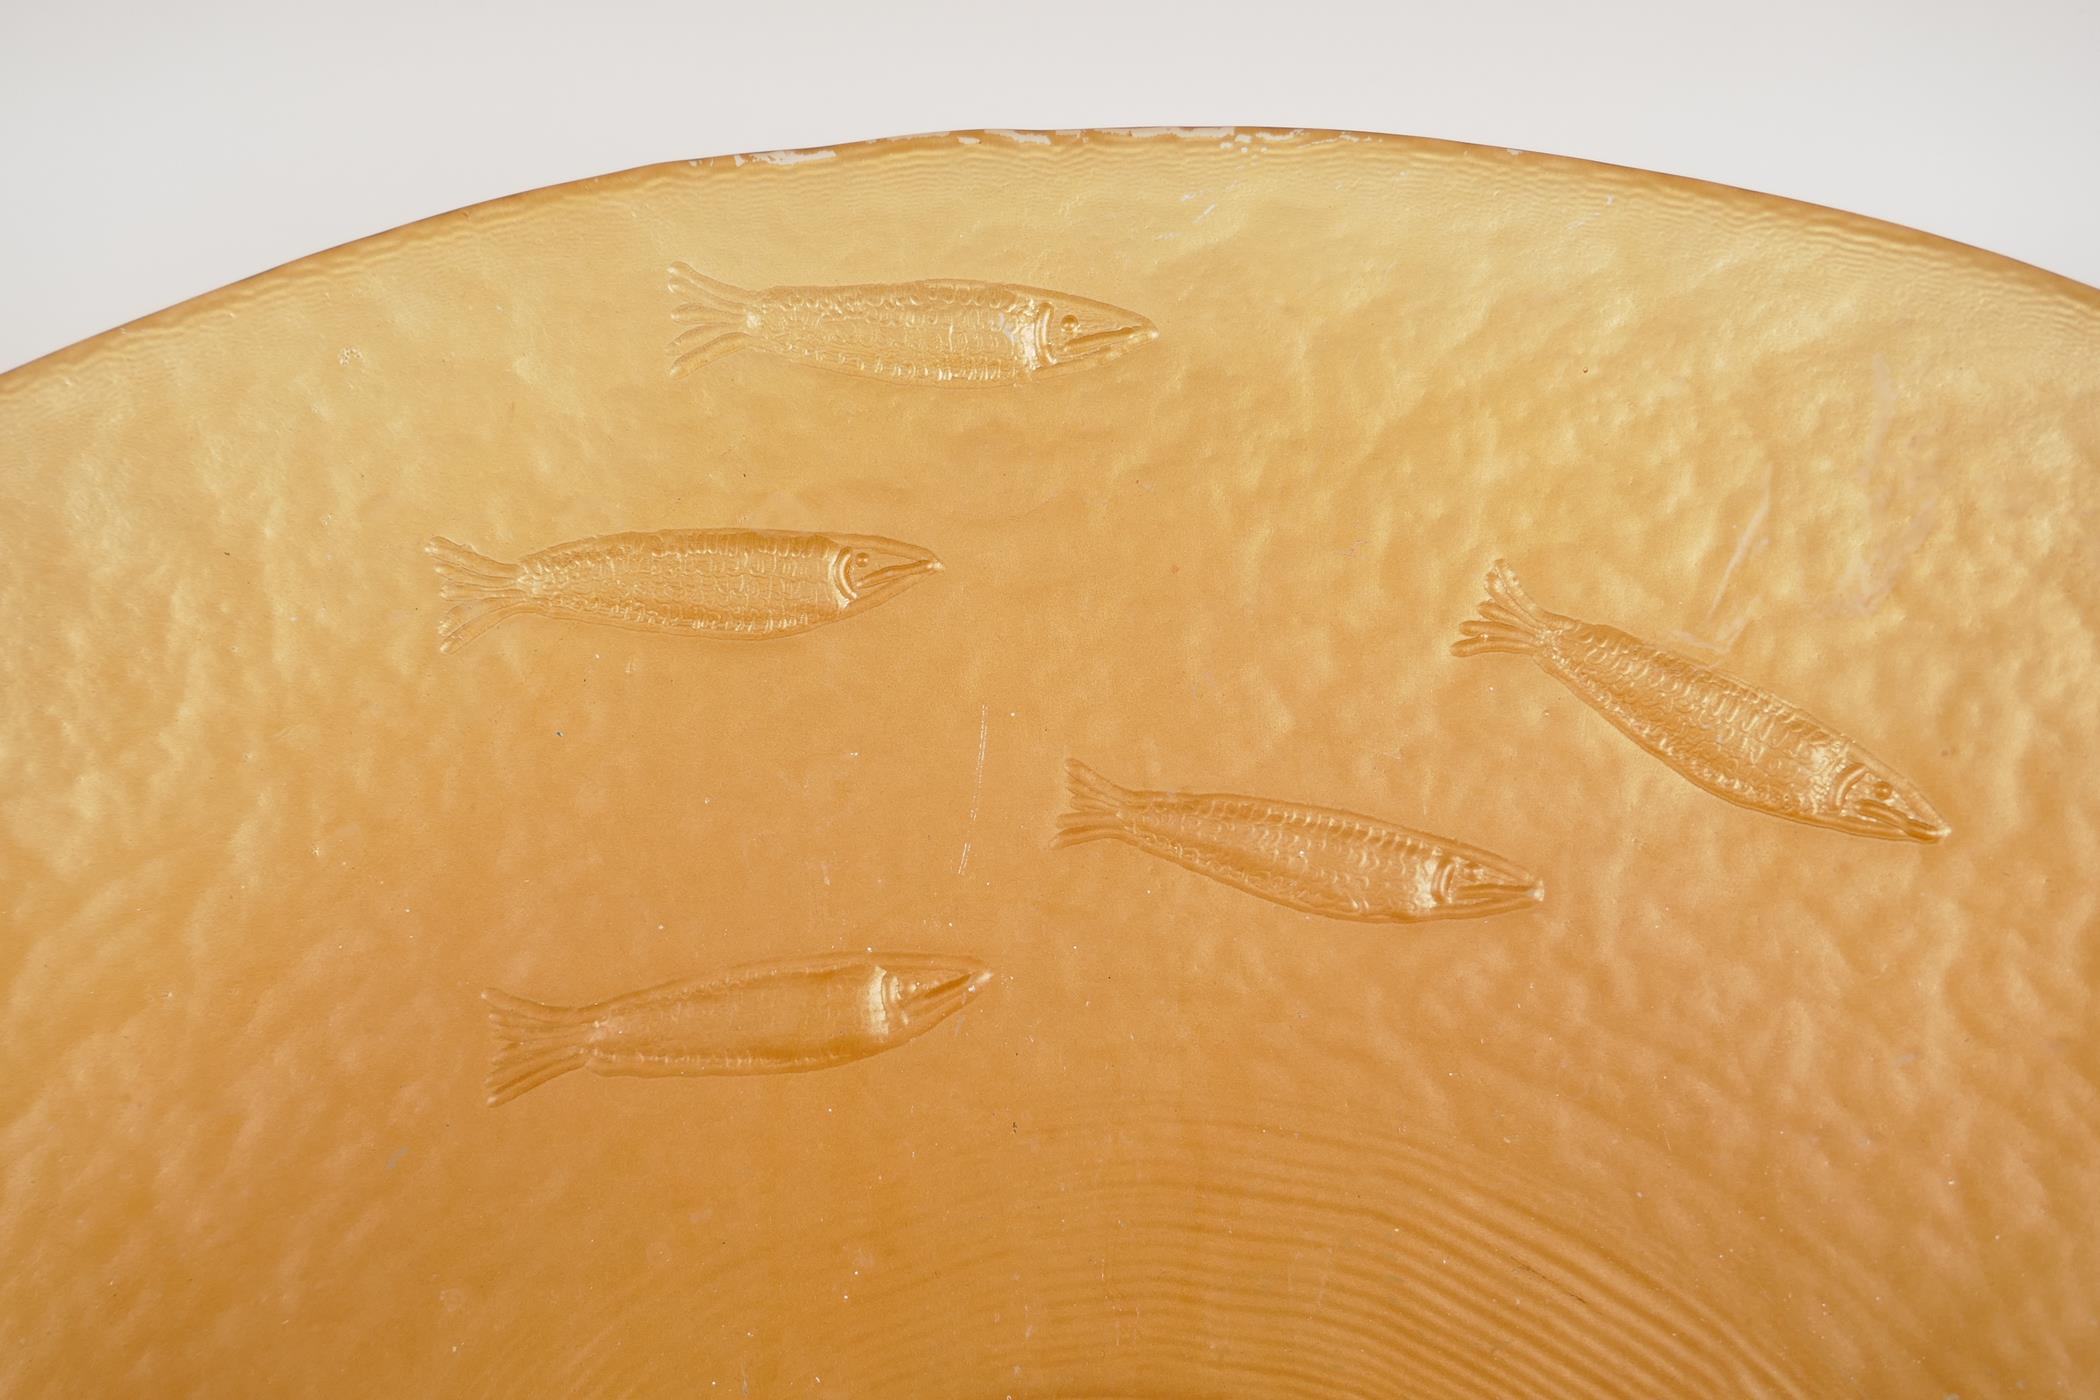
(1073,330)
(867,570)
(1474,883)
(921,990)
(1869,800)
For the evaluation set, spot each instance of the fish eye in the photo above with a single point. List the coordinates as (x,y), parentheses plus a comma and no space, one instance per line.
(860,559)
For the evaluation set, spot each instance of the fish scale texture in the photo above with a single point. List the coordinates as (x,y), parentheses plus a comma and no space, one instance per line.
(1743,1107)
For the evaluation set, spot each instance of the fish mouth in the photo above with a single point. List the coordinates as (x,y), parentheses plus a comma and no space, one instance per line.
(1471,897)
(1495,896)
(1109,340)
(1893,823)
(924,994)
(868,569)
(892,576)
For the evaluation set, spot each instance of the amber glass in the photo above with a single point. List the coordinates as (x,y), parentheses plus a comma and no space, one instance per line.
(1172,764)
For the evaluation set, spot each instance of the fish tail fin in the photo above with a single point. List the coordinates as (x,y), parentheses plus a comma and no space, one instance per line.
(1509,621)
(1099,810)
(468,573)
(538,1043)
(693,286)
(712,316)
(469,620)
(486,590)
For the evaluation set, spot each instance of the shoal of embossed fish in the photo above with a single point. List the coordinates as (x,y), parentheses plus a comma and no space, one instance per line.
(938,332)
(1729,737)
(740,584)
(769,1018)
(1312,859)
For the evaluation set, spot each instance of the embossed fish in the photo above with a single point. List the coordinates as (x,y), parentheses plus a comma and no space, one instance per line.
(740,584)
(1736,741)
(768,1018)
(937,332)
(1313,859)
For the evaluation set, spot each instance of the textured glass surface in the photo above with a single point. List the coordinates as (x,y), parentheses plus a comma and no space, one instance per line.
(845,774)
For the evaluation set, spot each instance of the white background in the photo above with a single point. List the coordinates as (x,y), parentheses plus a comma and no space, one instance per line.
(153,150)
